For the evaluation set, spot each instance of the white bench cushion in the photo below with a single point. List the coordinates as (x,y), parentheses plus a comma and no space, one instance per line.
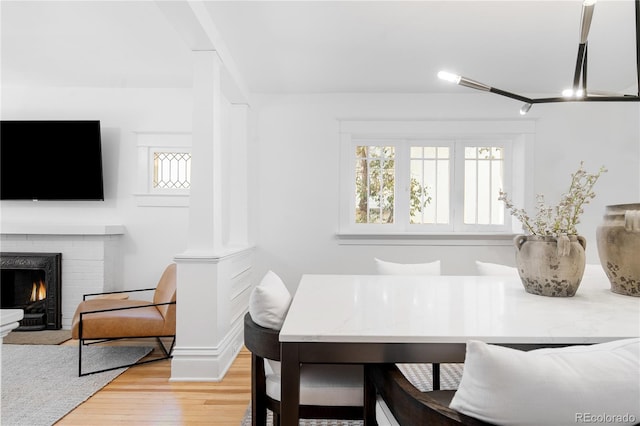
(560,386)
(323,384)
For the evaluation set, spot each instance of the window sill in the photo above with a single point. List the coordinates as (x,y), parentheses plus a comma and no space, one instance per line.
(424,239)
(162,200)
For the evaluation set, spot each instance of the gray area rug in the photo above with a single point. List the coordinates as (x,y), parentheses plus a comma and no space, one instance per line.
(246,421)
(43,337)
(40,383)
(420,375)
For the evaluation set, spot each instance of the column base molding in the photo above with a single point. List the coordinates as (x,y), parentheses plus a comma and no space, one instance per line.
(206,364)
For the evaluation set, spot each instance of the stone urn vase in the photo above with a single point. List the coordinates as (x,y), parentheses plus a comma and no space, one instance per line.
(550,266)
(618,239)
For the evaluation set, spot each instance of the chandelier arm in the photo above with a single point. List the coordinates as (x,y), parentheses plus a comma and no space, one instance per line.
(584,70)
(510,95)
(582,48)
(623,98)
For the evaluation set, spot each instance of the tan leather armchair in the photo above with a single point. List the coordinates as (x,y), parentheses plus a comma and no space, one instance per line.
(110,316)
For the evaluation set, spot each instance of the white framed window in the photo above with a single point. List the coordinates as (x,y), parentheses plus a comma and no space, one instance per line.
(164,169)
(484,169)
(431,178)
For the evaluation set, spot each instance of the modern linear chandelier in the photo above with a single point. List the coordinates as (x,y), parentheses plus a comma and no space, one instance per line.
(578,92)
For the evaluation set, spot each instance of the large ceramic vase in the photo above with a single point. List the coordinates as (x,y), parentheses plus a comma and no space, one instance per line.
(550,266)
(618,239)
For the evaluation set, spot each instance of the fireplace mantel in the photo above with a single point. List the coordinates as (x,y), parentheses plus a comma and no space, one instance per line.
(60,229)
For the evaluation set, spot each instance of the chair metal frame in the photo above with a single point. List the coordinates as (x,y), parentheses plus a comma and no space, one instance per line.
(96,340)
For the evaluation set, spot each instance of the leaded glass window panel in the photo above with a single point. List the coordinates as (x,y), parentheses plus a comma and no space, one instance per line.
(171,170)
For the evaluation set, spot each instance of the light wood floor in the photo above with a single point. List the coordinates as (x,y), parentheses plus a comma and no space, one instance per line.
(143,395)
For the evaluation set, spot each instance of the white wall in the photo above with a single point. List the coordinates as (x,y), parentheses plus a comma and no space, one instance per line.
(154,235)
(294,171)
(297,175)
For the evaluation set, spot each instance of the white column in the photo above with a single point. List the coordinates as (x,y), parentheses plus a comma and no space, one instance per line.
(213,279)
(198,298)
(205,197)
(214,271)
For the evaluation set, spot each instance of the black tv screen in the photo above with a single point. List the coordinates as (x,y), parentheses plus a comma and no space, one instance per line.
(50,160)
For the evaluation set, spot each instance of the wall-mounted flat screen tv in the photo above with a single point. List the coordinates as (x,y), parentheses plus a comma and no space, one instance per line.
(50,160)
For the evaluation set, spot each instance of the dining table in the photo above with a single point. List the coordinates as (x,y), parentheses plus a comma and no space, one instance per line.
(359,319)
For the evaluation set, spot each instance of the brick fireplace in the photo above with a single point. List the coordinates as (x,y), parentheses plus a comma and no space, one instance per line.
(91,256)
(33,282)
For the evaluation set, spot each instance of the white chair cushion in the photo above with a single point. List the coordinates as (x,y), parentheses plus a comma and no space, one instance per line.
(486,268)
(390,268)
(269,302)
(323,384)
(384,416)
(272,366)
(560,386)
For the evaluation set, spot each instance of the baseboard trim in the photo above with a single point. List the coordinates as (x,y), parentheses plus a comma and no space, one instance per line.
(206,364)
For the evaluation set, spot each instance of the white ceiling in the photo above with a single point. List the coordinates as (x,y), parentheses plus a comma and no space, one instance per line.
(527,47)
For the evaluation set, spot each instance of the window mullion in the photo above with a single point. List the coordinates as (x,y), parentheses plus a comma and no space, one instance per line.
(457,176)
(476,212)
(507,180)
(402,184)
(491,186)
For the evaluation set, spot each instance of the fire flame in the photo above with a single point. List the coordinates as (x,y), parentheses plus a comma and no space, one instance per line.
(38,291)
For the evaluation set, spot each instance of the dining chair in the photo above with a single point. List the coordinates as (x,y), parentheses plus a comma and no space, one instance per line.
(384,267)
(103,317)
(403,404)
(326,391)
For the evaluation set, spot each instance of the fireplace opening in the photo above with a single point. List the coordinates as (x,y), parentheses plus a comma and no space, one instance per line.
(32,282)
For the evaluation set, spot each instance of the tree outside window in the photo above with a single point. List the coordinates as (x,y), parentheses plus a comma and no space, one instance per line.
(429,192)
(375,186)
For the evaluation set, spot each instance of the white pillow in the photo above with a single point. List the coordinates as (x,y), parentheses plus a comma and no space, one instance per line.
(269,302)
(485,268)
(560,386)
(390,268)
